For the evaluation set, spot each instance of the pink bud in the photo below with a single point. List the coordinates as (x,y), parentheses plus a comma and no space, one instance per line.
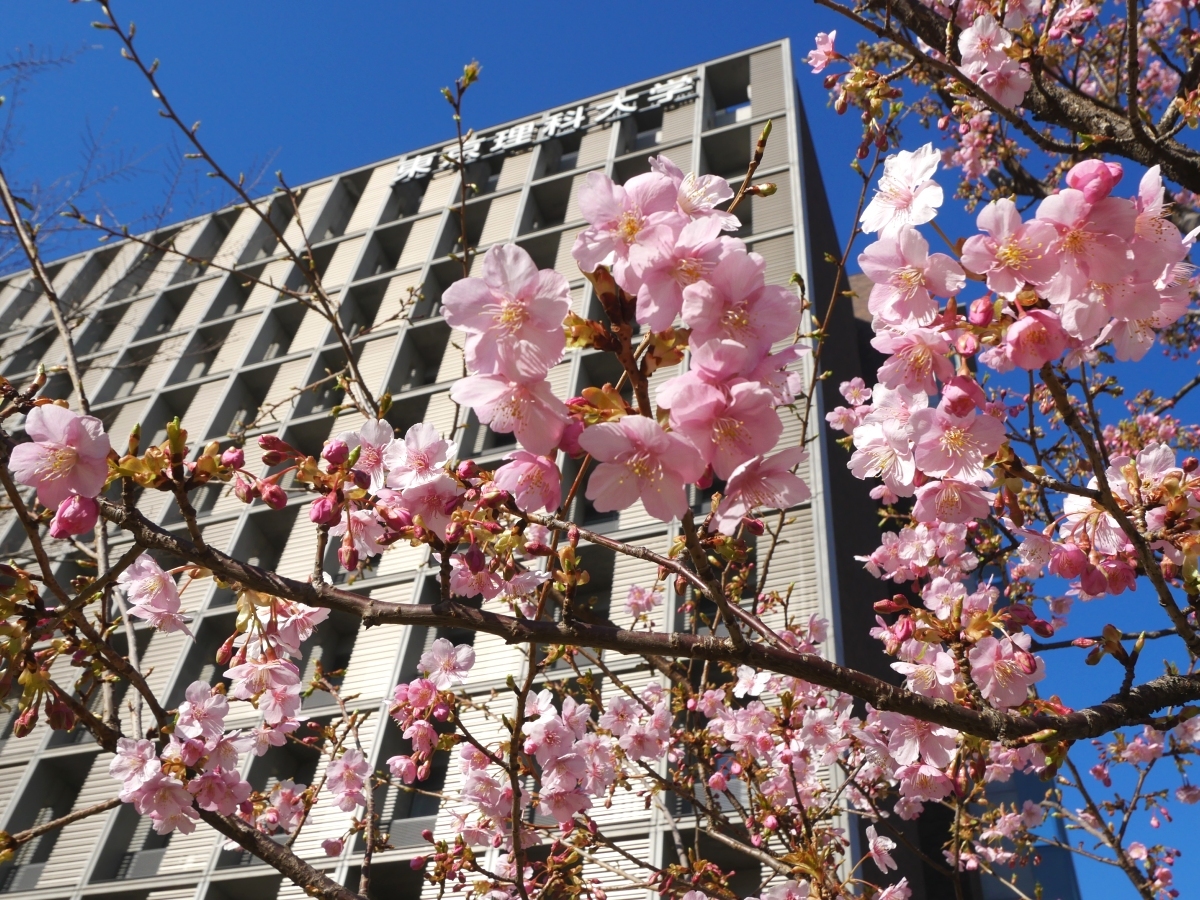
(980,312)
(770,822)
(244,489)
(467,470)
(76,515)
(348,555)
(718,782)
(361,479)
(272,494)
(418,862)
(441,711)
(1095,178)
(324,511)
(967,344)
(332,846)
(569,442)
(336,452)
(234,458)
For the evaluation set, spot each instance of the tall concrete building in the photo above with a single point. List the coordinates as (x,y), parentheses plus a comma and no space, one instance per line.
(160,337)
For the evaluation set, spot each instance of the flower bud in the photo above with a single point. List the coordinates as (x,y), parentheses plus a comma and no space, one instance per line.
(336,452)
(244,489)
(75,515)
(272,457)
(234,458)
(1190,464)
(467,470)
(332,846)
(770,822)
(980,312)
(348,556)
(324,511)
(455,532)
(274,442)
(60,716)
(361,479)
(272,494)
(225,651)
(396,517)
(25,721)
(536,548)
(754,526)
(896,604)
(967,344)
(718,782)
(418,862)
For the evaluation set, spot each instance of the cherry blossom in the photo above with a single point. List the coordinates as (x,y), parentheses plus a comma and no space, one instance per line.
(906,195)
(638,460)
(513,315)
(527,409)
(417,458)
(631,224)
(373,439)
(880,849)
(761,482)
(533,480)
(824,54)
(907,277)
(445,663)
(67,454)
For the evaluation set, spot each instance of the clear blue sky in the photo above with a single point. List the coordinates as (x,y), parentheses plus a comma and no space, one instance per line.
(317,88)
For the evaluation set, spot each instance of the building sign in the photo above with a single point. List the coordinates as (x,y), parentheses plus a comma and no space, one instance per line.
(552,125)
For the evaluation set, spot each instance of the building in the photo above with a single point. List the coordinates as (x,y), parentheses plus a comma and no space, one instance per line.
(159,337)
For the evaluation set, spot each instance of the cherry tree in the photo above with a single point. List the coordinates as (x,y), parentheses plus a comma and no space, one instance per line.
(1014,477)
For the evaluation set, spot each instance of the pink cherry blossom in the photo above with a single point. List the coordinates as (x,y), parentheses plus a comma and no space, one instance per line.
(954,446)
(951,501)
(1004,669)
(219,791)
(689,259)
(67,454)
(202,714)
(1010,252)
(1035,339)
(734,303)
(728,426)
(153,595)
(372,439)
(513,315)
(1008,84)
(824,54)
(883,450)
(638,460)
(917,356)
(912,739)
(253,677)
(419,457)
(287,802)
(365,529)
(631,224)
(533,480)
(698,195)
(923,782)
(880,849)
(641,601)
(762,482)
(906,193)
(431,502)
(471,577)
(135,762)
(527,409)
(907,277)
(168,804)
(346,777)
(445,663)
(982,45)
(898,891)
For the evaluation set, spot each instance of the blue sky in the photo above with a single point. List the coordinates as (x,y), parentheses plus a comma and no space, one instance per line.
(317,88)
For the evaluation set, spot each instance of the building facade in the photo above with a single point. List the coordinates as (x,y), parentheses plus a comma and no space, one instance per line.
(160,337)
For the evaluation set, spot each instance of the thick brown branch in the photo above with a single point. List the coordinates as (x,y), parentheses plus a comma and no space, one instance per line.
(1140,703)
